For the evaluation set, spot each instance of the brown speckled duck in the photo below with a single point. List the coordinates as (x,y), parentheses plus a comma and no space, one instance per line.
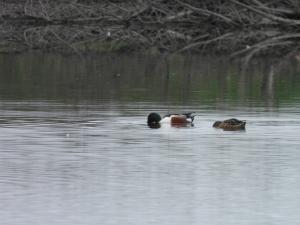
(230,124)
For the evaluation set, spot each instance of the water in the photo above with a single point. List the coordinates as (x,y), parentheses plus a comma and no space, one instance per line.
(75,148)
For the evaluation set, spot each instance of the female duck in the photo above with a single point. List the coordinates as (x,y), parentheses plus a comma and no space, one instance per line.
(231,124)
(154,119)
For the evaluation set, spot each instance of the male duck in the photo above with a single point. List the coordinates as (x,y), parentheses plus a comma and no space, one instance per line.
(154,119)
(230,124)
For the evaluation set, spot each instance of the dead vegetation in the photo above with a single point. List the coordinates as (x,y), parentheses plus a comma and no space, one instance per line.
(239,27)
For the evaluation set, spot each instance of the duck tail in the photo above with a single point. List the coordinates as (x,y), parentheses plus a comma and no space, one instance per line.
(190,115)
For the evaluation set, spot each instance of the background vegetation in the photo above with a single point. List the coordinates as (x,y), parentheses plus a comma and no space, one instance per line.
(238,27)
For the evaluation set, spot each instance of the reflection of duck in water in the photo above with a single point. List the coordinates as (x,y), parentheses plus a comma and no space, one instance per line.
(230,124)
(179,120)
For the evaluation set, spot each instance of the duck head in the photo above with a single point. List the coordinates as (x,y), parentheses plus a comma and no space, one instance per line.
(153,118)
(217,124)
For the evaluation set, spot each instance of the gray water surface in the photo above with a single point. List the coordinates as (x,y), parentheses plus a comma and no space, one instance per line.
(79,155)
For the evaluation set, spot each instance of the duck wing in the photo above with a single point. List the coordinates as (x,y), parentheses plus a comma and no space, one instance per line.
(189,115)
(233,121)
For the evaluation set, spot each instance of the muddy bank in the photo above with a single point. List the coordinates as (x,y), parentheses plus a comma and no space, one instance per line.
(238,28)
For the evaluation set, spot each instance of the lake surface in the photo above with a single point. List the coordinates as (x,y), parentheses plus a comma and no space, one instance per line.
(75,148)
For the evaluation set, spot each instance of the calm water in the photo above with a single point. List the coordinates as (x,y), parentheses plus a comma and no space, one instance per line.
(75,148)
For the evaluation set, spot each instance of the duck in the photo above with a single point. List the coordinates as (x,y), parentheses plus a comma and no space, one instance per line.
(154,119)
(231,124)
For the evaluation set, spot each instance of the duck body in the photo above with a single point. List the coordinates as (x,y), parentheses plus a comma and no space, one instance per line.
(231,124)
(173,119)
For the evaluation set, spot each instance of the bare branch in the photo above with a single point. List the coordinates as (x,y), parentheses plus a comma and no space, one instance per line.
(267,15)
(206,12)
(196,44)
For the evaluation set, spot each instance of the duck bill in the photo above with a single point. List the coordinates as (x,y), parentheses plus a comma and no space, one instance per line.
(154,125)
